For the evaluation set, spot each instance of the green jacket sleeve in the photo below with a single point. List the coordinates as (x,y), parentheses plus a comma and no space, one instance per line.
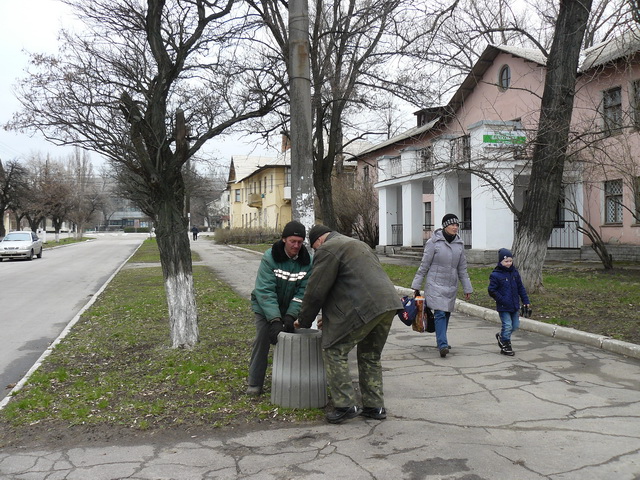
(265,290)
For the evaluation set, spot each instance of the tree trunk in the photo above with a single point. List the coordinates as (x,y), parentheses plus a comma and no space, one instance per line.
(175,257)
(537,217)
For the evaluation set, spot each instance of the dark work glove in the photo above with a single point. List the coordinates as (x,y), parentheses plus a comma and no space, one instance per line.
(288,324)
(416,293)
(275,328)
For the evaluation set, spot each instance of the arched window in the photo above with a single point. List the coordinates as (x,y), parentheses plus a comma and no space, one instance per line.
(504,78)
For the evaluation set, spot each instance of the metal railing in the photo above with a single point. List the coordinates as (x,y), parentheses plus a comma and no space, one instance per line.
(564,234)
(396,234)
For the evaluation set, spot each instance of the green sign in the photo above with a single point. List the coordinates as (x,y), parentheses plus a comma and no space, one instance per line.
(504,138)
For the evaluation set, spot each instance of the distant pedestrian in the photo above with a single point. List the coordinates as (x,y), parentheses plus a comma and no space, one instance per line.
(505,286)
(195,232)
(358,303)
(277,297)
(443,263)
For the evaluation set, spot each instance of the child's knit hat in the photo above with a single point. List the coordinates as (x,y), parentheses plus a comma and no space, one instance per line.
(504,253)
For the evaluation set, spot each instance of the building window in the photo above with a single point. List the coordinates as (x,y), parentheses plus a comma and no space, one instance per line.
(504,78)
(612,105)
(461,150)
(365,174)
(428,224)
(613,201)
(287,176)
(426,159)
(237,195)
(636,196)
(396,167)
(635,102)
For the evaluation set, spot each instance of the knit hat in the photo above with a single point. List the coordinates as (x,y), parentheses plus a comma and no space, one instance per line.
(316,232)
(449,219)
(504,253)
(294,228)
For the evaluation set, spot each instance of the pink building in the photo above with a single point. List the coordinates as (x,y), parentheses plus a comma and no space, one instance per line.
(451,160)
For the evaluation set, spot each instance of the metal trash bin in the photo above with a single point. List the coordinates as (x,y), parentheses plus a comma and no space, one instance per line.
(298,376)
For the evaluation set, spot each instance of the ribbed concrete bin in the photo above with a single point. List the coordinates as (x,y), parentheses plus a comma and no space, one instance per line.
(298,379)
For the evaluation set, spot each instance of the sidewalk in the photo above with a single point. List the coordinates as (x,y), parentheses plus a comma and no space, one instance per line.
(559,409)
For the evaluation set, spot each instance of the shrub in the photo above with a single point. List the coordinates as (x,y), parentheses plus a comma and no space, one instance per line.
(246,235)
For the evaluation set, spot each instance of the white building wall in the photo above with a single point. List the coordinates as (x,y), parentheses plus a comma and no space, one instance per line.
(412,214)
(387,211)
(446,198)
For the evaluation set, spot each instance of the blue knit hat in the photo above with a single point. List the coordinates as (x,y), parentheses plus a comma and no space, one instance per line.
(504,253)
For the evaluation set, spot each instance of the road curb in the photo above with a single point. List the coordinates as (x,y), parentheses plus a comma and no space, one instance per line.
(63,334)
(556,331)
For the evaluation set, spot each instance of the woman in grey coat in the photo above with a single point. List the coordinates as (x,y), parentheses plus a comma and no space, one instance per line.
(443,263)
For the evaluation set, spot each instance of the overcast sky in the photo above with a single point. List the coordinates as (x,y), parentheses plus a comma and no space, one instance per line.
(33,25)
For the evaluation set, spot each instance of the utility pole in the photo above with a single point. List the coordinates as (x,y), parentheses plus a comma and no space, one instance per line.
(302,198)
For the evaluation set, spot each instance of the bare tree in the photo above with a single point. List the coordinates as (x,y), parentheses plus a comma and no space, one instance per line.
(87,195)
(356,209)
(356,49)
(13,185)
(549,155)
(147,84)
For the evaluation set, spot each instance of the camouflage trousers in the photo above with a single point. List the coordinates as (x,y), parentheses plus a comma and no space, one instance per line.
(369,340)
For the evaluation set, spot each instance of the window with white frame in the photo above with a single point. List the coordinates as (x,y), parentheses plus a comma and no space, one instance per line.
(461,150)
(237,195)
(613,201)
(426,159)
(612,110)
(396,167)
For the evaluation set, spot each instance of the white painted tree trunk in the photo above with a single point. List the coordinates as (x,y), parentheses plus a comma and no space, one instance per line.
(183,314)
(175,257)
(530,252)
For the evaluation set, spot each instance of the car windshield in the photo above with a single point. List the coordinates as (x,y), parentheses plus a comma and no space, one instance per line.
(14,237)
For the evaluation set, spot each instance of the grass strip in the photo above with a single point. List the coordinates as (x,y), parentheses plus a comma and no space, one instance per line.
(116,366)
(585,298)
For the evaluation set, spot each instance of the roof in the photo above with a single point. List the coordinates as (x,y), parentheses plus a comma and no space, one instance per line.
(412,132)
(243,166)
(610,50)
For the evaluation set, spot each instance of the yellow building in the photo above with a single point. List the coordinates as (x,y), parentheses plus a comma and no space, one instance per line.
(259,191)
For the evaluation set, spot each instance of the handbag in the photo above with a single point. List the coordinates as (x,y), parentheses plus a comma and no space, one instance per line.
(409,312)
(424,321)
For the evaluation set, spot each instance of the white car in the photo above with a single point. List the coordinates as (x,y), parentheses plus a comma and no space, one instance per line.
(20,245)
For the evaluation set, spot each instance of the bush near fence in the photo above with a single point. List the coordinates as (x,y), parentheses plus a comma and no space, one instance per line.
(246,235)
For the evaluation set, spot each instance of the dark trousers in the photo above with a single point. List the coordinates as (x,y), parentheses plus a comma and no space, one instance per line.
(260,352)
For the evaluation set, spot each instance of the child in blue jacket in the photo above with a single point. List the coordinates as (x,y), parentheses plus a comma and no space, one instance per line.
(506,287)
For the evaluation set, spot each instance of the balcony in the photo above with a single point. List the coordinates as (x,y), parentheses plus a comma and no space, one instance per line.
(255,200)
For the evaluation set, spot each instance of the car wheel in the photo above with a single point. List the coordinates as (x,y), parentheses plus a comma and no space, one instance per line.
(39,254)
(31,254)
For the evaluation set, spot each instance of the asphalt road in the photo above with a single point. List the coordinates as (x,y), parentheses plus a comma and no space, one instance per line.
(39,298)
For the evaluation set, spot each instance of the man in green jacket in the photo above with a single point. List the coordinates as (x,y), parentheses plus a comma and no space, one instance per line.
(277,296)
(358,303)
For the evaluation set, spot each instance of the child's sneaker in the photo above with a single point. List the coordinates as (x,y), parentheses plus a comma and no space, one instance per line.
(507,350)
(501,344)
